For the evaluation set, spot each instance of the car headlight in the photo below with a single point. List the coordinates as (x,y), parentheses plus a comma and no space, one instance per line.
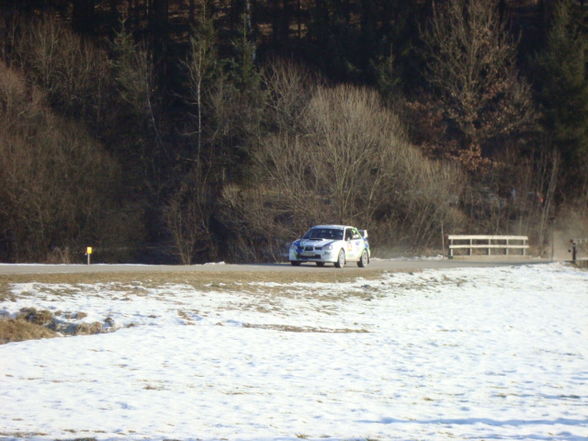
(328,247)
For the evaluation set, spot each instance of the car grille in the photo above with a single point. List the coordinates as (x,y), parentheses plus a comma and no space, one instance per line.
(308,248)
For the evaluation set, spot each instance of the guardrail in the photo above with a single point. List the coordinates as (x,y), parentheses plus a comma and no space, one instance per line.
(489,243)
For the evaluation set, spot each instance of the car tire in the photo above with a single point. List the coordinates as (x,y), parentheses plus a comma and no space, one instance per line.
(363,260)
(320,264)
(295,263)
(340,263)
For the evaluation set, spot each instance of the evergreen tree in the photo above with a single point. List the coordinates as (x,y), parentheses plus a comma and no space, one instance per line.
(242,101)
(242,68)
(335,41)
(471,65)
(396,63)
(562,90)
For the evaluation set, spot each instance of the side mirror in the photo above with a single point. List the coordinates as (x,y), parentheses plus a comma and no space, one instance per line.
(363,233)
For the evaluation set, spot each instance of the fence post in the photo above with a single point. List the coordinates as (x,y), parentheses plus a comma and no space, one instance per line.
(442,239)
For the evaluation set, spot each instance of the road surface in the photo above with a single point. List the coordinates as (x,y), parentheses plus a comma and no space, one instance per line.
(376,265)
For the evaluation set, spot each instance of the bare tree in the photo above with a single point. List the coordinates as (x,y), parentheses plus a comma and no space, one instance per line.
(56,182)
(339,156)
(74,74)
(291,87)
(187,215)
(135,79)
(189,208)
(357,145)
(200,66)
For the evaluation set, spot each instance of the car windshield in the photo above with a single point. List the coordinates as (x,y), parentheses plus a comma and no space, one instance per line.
(324,233)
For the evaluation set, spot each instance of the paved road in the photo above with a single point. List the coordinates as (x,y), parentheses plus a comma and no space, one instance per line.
(379,265)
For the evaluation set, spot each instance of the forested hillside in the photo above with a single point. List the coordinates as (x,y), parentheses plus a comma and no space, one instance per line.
(197,130)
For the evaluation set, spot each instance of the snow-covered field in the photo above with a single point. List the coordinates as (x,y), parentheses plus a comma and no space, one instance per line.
(453,354)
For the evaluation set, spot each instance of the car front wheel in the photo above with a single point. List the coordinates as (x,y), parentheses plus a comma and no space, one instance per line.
(363,260)
(295,263)
(340,263)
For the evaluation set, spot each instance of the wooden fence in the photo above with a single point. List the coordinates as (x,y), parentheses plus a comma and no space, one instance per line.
(504,244)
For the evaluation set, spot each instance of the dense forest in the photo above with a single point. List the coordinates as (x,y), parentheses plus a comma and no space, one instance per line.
(199,130)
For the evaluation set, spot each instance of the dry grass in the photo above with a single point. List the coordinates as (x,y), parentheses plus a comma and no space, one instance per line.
(33,324)
(77,439)
(31,315)
(19,330)
(289,328)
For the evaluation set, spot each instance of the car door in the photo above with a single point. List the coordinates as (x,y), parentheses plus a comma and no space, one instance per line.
(350,251)
(357,242)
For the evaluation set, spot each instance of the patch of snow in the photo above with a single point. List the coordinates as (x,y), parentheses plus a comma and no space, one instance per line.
(470,353)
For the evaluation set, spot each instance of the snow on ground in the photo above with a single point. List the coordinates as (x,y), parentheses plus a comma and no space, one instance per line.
(467,354)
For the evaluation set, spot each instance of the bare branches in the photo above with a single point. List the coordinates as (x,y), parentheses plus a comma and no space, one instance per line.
(56,182)
(338,155)
(69,69)
(200,67)
(135,80)
(187,216)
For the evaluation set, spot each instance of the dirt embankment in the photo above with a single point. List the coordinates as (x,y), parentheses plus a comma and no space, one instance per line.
(31,323)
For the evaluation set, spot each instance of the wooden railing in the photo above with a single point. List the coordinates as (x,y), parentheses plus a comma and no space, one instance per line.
(488,243)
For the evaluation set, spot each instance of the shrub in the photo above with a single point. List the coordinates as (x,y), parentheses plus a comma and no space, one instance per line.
(58,186)
(339,156)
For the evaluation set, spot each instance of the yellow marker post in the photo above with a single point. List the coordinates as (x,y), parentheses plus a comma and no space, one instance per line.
(89,251)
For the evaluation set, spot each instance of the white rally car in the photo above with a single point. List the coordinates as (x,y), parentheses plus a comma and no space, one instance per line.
(336,244)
